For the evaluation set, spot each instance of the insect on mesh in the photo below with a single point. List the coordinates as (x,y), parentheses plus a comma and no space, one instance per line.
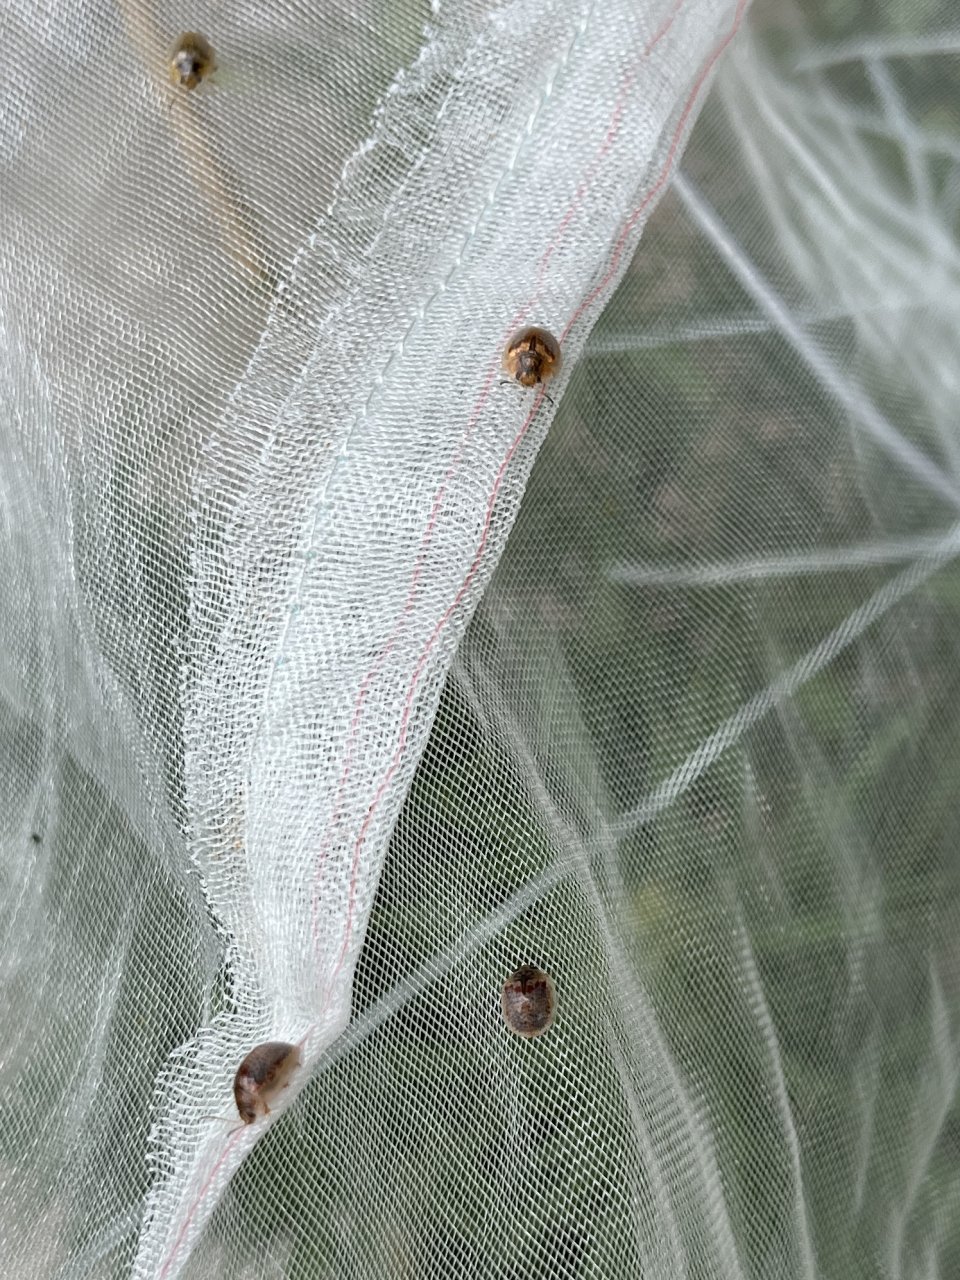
(334,686)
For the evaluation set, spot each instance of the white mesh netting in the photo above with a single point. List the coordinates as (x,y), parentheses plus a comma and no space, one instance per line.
(312,730)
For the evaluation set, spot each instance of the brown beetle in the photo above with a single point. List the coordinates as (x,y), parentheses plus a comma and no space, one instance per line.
(529,1001)
(531,356)
(191,60)
(261,1075)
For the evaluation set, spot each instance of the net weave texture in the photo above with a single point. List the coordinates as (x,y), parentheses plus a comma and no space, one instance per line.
(334,686)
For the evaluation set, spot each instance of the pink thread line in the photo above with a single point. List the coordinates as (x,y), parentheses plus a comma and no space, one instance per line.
(439,496)
(175,1247)
(608,141)
(464,587)
(663,29)
(664,172)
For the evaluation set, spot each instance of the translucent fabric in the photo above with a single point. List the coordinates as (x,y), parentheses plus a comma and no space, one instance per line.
(334,686)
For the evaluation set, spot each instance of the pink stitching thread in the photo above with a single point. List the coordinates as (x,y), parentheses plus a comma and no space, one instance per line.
(205,1187)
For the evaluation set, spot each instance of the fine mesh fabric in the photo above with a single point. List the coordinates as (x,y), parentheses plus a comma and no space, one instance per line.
(338,677)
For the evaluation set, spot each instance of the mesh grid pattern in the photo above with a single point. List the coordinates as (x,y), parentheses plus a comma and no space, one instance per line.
(293,747)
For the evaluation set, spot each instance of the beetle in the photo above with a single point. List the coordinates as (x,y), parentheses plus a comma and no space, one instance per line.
(531,356)
(529,1001)
(191,60)
(261,1076)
